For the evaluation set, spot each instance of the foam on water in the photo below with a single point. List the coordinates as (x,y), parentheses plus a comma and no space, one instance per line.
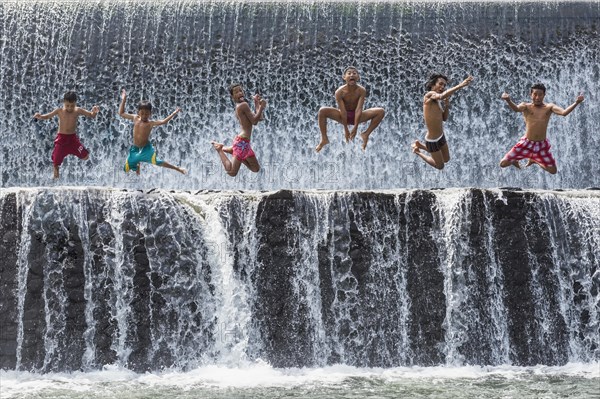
(261,375)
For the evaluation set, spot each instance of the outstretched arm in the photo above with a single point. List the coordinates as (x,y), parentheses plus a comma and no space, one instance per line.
(46,116)
(435,96)
(122,113)
(87,113)
(517,108)
(167,119)
(564,112)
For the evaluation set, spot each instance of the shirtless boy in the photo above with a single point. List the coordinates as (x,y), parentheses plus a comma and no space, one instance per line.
(534,145)
(241,150)
(436,114)
(67,142)
(142,150)
(350,99)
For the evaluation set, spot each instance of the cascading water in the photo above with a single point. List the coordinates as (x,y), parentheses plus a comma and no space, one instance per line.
(198,287)
(185,53)
(146,281)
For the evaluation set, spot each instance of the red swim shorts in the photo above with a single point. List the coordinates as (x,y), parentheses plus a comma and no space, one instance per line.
(67,144)
(350,115)
(539,151)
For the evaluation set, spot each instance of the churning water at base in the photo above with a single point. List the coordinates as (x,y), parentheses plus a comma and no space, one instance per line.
(575,381)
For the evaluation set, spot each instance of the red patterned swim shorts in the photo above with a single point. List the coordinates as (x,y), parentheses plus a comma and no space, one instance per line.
(539,151)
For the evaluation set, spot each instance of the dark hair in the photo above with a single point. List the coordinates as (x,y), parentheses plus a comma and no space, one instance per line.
(147,105)
(433,80)
(348,68)
(70,97)
(539,86)
(233,86)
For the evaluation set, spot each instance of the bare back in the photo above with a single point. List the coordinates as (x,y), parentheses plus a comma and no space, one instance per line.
(537,118)
(434,119)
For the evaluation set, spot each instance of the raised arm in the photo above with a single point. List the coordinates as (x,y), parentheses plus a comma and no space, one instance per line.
(517,108)
(122,113)
(46,116)
(435,96)
(257,100)
(254,117)
(167,119)
(564,112)
(84,112)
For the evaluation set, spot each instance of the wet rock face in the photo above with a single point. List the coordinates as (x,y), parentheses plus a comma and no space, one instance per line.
(369,279)
(10,231)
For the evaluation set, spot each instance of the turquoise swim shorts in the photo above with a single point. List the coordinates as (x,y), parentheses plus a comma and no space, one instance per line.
(137,155)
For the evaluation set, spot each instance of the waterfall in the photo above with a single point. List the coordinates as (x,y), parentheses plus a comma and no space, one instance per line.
(186,52)
(159,279)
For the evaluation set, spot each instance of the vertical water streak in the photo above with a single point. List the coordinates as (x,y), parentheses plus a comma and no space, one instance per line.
(89,355)
(121,275)
(25,207)
(53,225)
(454,218)
(344,334)
(231,237)
(548,334)
(495,286)
(404,304)
(311,223)
(380,264)
(573,226)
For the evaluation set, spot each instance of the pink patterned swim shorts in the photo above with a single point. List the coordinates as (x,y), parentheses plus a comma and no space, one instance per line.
(242,149)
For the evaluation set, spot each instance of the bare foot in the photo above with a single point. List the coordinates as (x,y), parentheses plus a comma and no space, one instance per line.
(365,139)
(352,136)
(181,170)
(415,147)
(322,144)
(217,146)
(347,137)
(56,174)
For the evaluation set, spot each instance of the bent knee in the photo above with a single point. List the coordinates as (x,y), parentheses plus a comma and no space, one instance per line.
(232,173)
(439,166)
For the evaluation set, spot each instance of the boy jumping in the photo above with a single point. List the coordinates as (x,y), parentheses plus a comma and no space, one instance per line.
(67,142)
(142,150)
(534,145)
